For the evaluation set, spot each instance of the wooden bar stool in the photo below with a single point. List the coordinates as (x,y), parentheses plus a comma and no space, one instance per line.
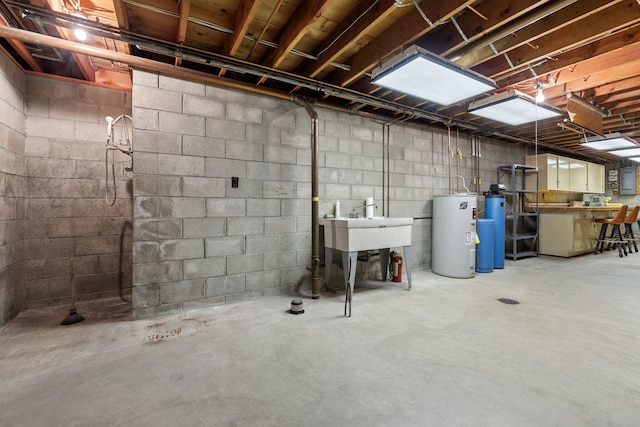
(628,230)
(616,236)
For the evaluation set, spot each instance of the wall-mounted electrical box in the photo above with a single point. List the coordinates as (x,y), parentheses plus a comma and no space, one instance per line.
(627,181)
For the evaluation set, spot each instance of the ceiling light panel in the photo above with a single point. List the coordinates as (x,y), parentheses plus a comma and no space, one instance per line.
(422,74)
(629,152)
(613,141)
(513,108)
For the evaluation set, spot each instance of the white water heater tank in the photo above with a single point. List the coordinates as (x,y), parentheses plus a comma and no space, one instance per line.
(453,250)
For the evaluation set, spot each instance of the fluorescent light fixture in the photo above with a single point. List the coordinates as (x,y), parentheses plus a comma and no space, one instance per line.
(629,152)
(635,159)
(513,108)
(611,141)
(420,73)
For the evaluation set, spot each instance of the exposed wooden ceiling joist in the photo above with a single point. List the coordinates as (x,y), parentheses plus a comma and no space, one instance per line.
(399,35)
(587,47)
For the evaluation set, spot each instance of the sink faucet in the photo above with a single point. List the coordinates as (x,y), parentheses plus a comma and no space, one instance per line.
(355,214)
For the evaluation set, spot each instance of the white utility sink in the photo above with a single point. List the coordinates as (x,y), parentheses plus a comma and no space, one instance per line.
(362,234)
(351,235)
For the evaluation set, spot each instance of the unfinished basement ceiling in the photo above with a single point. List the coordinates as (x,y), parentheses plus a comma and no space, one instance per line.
(586,49)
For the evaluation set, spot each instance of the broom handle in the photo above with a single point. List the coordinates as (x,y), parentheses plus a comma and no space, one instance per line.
(73,284)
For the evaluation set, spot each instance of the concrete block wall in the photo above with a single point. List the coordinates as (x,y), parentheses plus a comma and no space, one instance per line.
(66,213)
(12,189)
(199,240)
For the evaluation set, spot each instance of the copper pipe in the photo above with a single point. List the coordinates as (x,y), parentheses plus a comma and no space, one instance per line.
(257,70)
(134,61)
(315,198)
(147,64)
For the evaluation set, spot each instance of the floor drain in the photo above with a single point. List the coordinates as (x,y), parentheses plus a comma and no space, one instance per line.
(508,301)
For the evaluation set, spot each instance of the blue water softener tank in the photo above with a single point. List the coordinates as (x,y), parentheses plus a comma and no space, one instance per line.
(484,250)
(494,209)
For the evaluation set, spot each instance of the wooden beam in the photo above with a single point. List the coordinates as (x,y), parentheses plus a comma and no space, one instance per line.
(581,32)
(84,64)
(529,33)
(624,106)
(183,21)
(265,27)
(244,15)
(305,14)
(584,69)
(396,37)
(616,99)
(121,14)
(21,49)
(611,80)
(566,62)
(185,6)
(113,79)
(346,34)
(446,39)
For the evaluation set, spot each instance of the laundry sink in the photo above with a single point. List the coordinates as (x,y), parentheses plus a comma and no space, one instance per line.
(351,235)
(361,234)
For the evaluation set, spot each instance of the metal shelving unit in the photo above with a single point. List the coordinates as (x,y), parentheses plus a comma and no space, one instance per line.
(522,222)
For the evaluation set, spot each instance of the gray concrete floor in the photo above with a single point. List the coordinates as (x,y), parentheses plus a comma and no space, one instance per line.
(445,353)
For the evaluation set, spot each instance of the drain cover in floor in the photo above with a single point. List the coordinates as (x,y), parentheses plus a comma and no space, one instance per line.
(508,301)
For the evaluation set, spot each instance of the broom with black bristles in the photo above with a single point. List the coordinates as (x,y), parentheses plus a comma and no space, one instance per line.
(73,316)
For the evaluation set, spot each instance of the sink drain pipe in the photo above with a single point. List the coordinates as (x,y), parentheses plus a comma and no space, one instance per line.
(315,222)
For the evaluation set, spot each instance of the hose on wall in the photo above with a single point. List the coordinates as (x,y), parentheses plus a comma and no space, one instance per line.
(124,144)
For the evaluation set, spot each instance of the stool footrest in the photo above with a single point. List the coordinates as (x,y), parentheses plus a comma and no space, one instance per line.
(611,240)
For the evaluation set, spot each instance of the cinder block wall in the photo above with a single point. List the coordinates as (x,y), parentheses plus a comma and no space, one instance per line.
(198,240)
(66,213)
(12,189)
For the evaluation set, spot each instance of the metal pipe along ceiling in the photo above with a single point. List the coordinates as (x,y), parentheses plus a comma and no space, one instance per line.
(241,66)
(163,68)
(260,71)
(255,70)
(514,27)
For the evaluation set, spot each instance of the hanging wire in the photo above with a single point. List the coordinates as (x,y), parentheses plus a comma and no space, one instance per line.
(424,16)
(347,29)
(113,175)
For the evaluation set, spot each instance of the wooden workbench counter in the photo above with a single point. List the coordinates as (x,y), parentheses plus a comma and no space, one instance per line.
(579,208)
(570,230)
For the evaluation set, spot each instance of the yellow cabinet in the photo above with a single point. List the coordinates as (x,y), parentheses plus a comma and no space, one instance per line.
(577,176)
(567,234)
(566,174)
(547,172)
(595,178)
